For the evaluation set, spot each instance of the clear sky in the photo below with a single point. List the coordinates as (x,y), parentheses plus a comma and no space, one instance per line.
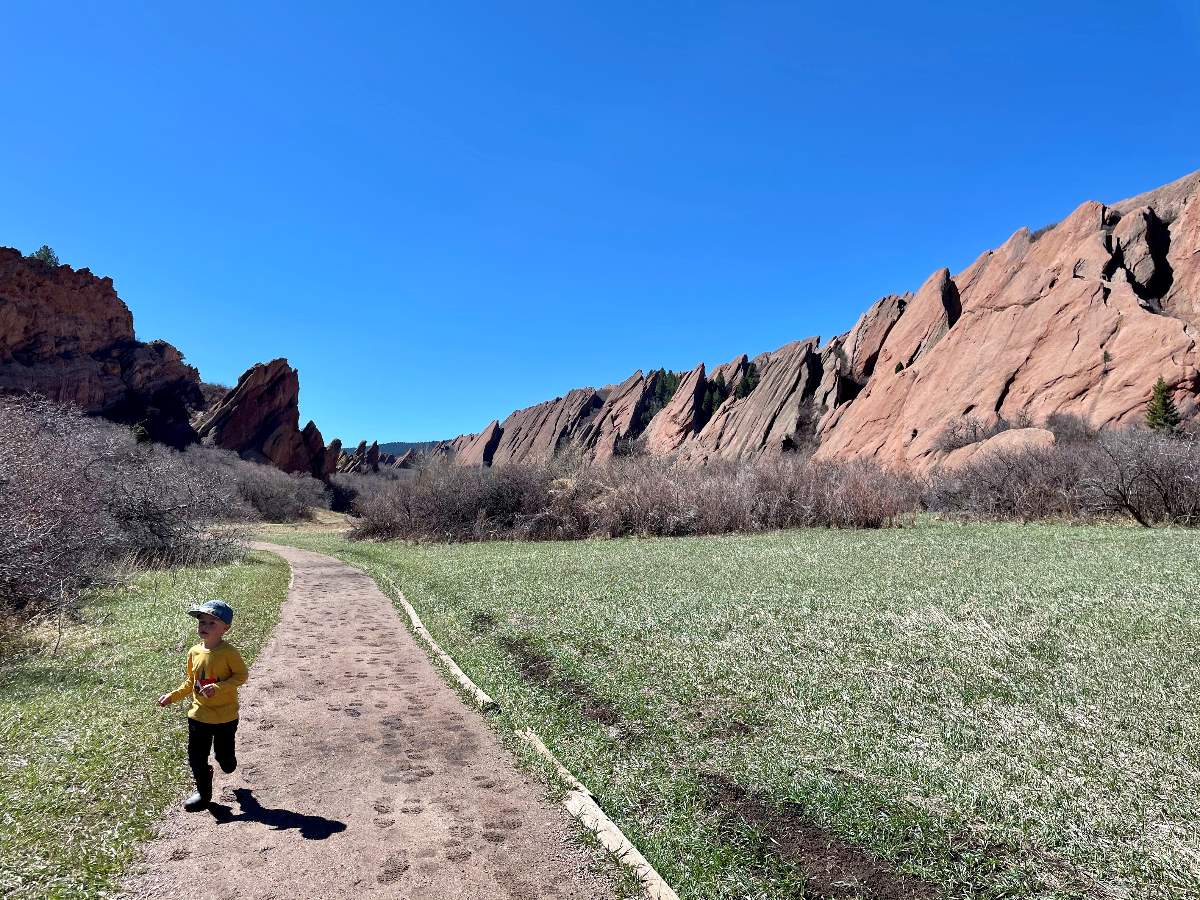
(440,212)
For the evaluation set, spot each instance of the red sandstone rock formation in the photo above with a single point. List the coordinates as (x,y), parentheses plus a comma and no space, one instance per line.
(675,424)
(1080,319)
(65,334)
(481,448)
(259,419)
(772,418)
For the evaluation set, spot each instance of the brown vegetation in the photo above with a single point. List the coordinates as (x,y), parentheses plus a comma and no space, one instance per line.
(81,498)
(1151,477)
(630,496)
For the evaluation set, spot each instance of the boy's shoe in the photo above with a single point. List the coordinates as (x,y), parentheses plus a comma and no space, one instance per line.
(203,795)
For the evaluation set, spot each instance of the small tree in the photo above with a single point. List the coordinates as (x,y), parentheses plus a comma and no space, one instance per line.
(899,367)
(46,254)
(1161,414)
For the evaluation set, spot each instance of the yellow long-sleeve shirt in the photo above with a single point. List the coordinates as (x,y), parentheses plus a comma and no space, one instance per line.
(223,666)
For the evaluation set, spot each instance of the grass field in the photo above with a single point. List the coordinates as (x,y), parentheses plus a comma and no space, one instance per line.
(978,712)
(87,761)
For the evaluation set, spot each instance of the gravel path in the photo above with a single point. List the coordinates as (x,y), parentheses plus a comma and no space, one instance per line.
(362,774)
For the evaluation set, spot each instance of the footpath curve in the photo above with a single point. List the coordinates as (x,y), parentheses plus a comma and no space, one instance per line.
(362,774)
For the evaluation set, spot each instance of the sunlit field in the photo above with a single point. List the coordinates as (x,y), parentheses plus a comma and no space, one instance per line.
(983,711)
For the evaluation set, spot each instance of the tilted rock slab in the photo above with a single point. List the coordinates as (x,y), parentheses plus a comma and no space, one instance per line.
(260,420)
(1081,318)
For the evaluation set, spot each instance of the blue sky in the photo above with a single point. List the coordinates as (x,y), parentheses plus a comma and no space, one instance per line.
(440,212)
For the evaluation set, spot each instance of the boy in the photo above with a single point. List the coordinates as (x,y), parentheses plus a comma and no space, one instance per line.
(215,670)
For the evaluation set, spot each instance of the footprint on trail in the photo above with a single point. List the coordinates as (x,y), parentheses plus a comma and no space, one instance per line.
(394,867)
(383,821)
(412,808)
(463,832)
(484,781)
(382,805)
(501,824)
(458,854)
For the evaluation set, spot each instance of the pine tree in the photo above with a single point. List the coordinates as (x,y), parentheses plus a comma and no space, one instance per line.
(1161,414)
(46,254)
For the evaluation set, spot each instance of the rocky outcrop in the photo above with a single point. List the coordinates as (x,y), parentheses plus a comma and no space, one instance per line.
(65,334)
(333,453)
(775,417)
(1080,318)
(1073,322)
(618,419)
(481,448)
(675,423)
(370,459)
(536,434)
(259,419)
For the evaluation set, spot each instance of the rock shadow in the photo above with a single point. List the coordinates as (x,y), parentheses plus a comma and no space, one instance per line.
(312,828)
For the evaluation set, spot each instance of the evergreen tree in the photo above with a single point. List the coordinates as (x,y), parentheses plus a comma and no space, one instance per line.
(1161,414)
(46,254)
(899,367)
(748,382)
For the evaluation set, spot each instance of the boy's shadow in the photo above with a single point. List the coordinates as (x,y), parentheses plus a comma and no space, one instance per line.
(313,828)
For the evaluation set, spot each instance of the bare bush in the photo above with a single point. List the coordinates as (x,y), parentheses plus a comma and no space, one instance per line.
(1068,429)
(1023,484)
(264,492)
(966,430)
(632,496)
(78,496)
(1151,477)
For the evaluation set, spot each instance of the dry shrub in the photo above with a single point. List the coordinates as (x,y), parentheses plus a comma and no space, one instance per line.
(632,496)
(265,492)
(79,497)
(966,430)
(1153,477)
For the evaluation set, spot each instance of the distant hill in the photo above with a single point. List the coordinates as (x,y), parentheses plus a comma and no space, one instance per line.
(399,448)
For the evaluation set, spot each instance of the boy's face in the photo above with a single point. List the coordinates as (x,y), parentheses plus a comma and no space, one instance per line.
(210,628)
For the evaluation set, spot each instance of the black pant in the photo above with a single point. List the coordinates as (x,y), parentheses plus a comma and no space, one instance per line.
(201,738)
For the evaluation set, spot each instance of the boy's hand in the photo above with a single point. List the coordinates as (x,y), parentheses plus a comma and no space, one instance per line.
(164,700)
(207,690)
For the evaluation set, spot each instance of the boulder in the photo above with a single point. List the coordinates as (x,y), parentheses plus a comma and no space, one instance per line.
(1013,440)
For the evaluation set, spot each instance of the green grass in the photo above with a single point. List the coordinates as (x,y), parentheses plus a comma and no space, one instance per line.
(87,761)
(1001,710)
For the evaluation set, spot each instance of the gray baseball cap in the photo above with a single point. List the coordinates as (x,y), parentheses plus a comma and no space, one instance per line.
(218,608)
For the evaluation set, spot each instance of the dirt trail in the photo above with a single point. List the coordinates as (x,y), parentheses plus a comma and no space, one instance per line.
(362,774)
